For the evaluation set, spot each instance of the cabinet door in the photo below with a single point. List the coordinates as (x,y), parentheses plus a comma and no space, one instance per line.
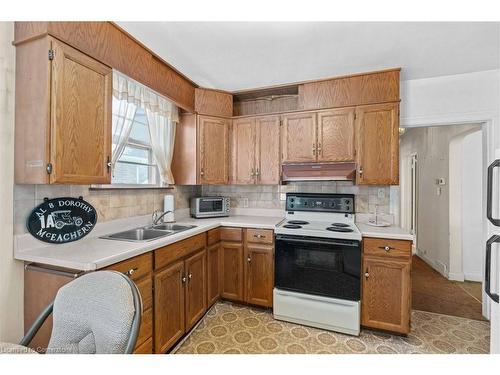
(214,274)
(243,151)
(259,274)
(213,150)
(336,135)
(169,306)
(377,134)
(386,295)
(232,271)
(298,138)
(196,292)
(80,146)
(268,150)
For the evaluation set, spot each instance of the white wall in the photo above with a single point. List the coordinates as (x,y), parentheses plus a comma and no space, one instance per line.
(431,145)
(11,271)
(472,213)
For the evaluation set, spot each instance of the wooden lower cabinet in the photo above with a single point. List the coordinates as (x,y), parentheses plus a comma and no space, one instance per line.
(386,290)
(196,288)
(259,274)
(145,348)
(169,306)
(213,273)
(232,271)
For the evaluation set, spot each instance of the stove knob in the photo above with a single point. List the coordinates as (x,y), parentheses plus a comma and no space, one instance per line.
(291,205)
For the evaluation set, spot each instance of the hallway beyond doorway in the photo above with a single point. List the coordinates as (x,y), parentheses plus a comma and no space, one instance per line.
(434,293)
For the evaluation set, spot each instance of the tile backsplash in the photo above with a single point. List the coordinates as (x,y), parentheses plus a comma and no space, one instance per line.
(110,204)
(268,196)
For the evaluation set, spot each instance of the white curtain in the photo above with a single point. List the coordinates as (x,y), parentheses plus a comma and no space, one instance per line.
(123,117)
(162,116)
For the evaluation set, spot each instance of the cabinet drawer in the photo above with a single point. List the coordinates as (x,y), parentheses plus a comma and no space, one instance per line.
(170,253)
(146,330)
(387,248)
(145,348)
(260,235)
(231,234)
(213,236)
(136,267)
(145,287)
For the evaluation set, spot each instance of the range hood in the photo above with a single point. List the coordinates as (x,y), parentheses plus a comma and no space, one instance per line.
(319,172)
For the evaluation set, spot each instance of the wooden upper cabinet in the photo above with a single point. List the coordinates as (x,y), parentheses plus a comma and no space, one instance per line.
(298,138)
(386,295)
(63,125)
(377,144)
(267,160)
(196,293)
(336,135)
(256,150)
(213,102)
(213,150)
(243,150)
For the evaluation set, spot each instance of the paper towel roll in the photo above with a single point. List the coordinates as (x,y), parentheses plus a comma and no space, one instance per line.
(168,205)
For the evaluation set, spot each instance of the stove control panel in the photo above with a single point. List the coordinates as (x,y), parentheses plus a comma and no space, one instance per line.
(316,202)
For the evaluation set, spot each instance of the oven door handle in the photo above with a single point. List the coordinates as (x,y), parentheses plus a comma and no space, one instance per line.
(325,242)
(487,270)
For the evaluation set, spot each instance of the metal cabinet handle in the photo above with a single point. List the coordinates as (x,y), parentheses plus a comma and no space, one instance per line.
(249,259)
(108,164)
(257,172)
(131,271)
(314,149)
(386,248)
(487,269)
(489,194)
(367,275)
(183,279)
(202,172)
(320,149)
(360,170)
(190,276)
(259,236)
(252,173)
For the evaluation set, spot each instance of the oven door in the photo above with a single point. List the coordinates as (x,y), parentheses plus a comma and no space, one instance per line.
(210,205)
(326,267)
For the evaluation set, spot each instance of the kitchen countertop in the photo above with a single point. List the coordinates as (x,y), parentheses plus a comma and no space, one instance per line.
(92,253)
(391,232)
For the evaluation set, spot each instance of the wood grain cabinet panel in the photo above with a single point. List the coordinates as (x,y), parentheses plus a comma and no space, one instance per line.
(213,150)
(388,248)
(232,271)
(213,102)
(259,274)
(336,135)
(196,295)
(63,115)
(80,117)
(244,133)
(169,318)
(145,348)
(213,273)
(298,138)
(146,330)
(386,296)
(267,159)
(136,267)
(377,140)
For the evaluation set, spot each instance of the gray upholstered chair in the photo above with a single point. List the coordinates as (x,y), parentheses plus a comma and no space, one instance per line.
(99,312)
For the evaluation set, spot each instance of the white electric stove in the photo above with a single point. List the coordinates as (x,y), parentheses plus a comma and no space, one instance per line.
(318,263)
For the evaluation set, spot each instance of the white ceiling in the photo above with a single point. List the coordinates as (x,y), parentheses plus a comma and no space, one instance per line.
(237,55)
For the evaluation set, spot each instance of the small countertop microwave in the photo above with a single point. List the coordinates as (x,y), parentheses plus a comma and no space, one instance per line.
(210,207)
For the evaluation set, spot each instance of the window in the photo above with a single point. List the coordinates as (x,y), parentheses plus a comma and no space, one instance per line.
(136,165)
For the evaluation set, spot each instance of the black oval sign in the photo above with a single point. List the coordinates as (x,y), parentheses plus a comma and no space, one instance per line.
(62,220)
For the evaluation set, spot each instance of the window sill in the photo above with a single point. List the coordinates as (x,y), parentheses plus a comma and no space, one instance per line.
(129,187)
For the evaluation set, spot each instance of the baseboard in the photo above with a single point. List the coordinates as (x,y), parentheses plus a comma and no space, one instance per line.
(477,277)
(456,276)
(437,265)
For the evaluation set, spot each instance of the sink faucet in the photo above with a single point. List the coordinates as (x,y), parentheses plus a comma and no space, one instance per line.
(158,215)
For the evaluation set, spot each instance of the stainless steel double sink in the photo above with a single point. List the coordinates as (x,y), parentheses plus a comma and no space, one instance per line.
(149,233)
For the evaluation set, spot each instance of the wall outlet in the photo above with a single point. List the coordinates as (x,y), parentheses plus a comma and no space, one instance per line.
(245,202)
(381,193)
(282,196)
(438,191)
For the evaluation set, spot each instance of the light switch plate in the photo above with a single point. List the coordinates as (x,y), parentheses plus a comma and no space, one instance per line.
(245,202)
(381,193)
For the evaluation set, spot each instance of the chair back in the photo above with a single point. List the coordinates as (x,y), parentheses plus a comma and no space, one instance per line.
(99,312)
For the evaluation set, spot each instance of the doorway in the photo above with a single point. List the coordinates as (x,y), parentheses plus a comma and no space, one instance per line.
(442,206)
